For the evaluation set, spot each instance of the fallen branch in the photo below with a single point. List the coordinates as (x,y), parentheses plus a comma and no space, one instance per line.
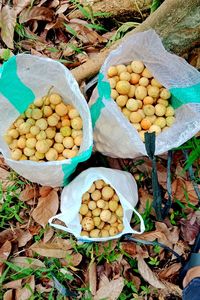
(176,22)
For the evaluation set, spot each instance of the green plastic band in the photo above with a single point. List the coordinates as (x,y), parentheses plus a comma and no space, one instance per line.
(181,96)
(104,91)
(69,169)
(13,89)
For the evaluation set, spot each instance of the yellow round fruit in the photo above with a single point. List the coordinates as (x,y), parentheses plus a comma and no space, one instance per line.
(55,99)
(66,131)
(163,102)
(31,142)
(52,120)
(170,121)
(47,111)
(58,147)
(18,122)
(61,109)
(123,87)
(141,112)
(151,118)
(99,184)
(92,188)
(148,100)
(149,110)
(28,113)
(78,140)
(137,126)
(42,124)
(132,104)
(170,111)
(113,231)
(77,123)
(8,139)
(112,71)
(119,211)
(84,233)
(92,205)
(13,145)
(96,195)
(73,113)
(76,133)
(95,233)
(134,78)
(42,146)
(68,153)
(160,121)
(87,224)
(140,92)
(97,221)
(120,227)
(83,209)
(137,66)
(125,76)
(14,133)
(126,112)
(114,94)
(85,197)
(121,100)
(104,233)
(39,155)
(155,128)
(41,135)
(101,203)
(96,212)
(24,128)
(145,124)
(107,192)
(113,205)
(121,68)
(16,154)
(112,83)
(165,94)
(153,91)
(38,102)
(59,137)
(23,157)
(50,132)
(29,152)
(68,142)
(131,92)
(146,73)
(36,114)
(135,117)
(160,110)
(156,83)
(143,81)
(105,215)
(34,130)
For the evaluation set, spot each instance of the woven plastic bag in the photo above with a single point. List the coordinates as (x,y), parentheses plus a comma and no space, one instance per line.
(24,78)
(125,187)
(113,134)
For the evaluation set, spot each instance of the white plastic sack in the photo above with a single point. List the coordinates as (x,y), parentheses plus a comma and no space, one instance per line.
(113,134)
(71,197)
(24,78)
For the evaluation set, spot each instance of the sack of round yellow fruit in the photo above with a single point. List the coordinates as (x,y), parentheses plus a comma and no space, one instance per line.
(143,88)
(98,205)
(45,123)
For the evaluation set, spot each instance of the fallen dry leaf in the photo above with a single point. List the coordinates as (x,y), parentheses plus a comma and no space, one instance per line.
(72,260)
(30,192)
(15,284)
(50,250)
(9,235)
(19,5)
(4,174)
(48,234)
(172,234)
(183,191)
(47,207)
(8,21)
(110,291)
(36,13)
(130,248)
(4,253)
(24,238)
(8,295)
(144,197)
(93,278)
(28,290)
(190,228)
(28,262)
(148,275)
(45,190)
(62,8)
(169,271)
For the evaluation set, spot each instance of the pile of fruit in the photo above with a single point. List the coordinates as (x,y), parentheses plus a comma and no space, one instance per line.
(101,214)
(141,98)
(48,130)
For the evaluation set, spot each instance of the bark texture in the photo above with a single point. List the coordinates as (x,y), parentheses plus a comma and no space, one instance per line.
(176,22)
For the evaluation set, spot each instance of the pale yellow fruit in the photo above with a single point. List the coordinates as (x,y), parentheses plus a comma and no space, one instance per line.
(161,122)
(95,233)
(126,112)
(120,227)
(53,106)
(116,78)
(96,212)
(135,117)
(99,184)
(59,137)
(55,99)
(140,104)
(125,76)
(163,102)
(119,211)
(149,110)
(73,113)
(13,145)
(34,130)
(33,158)
(28,113)
(42,146)
(89,214)
(105,215)
(46,100)
(24,128)
(170,111)
(121,100)
(96,195)
(68,142)
(42,124)
(24,157)
(112,71)
(131,92)
(106,205)
(83,209)
(165,94)
(132,104)
(101,203)
(114,94)
(112,83)
(148,100)
(50,142)
(59,147)
(137,126)
(137,66)
(113,205)
(60,124)
(155,82)
(77,123)
(66,131)
(61,109)
(92,205)
(141,112)
(8,139)
(75,133)
(153,91)
(151,118)
(142,134)
(113,231)
(129,69)
(170,121)
(39,155)
(29,135)
(146,73)
(107,192)
(85,197)
(140,92)
(41,135)
(38,102)
(97,221)
(145,124)
(30,121)
(84,233)
(36,114)
(87,224)
(107,227)
(16,154)
(50,132)
(67,153)
(92,188)
(78,140)
(101,225)
(104,233)
(18,122)
(14,133)
(47,111)
(155,128)
(52,120)
(115,197)
(121,68)
(134,78)
(143,81)
(160,110)
(123,87)
(31,142)
(28,151)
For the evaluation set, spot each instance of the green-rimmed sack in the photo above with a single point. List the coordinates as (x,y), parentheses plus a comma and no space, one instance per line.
(113,134)
(24,78)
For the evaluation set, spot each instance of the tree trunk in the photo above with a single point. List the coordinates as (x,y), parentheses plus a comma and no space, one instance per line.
(176,21)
